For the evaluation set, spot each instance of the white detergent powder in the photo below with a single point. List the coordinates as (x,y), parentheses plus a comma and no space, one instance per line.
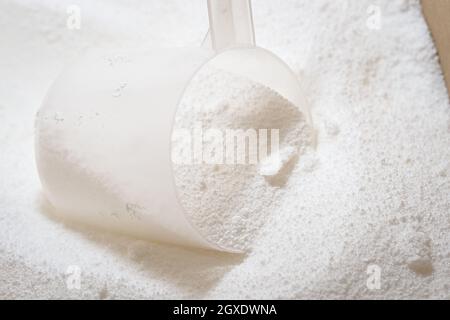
(229,201)
(363,213)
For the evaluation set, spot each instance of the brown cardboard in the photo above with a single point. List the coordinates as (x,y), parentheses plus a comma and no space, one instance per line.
(437,15)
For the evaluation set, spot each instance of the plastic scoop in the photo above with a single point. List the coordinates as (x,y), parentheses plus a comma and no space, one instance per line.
(103,133)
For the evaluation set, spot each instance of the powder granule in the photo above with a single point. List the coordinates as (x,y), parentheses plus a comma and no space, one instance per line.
(227,201)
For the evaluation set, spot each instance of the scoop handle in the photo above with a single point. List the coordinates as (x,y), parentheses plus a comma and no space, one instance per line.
(230,23)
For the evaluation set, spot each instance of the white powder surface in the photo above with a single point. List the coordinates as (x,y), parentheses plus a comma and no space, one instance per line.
(374,195)
(228,201)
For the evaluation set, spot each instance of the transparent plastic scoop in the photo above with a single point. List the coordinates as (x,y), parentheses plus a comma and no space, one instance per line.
(231,23)
(103,132)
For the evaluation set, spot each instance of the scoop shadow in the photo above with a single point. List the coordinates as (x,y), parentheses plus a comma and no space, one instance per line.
(195,270)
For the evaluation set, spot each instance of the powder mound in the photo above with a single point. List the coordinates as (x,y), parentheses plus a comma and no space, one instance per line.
(228,201)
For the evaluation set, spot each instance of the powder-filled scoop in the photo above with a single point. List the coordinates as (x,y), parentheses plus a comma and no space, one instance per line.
(103,133)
